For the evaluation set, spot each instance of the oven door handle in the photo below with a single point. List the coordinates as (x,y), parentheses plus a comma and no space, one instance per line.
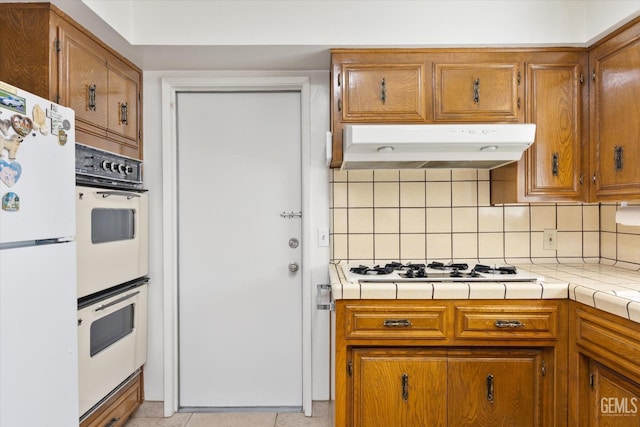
(119,300)
(128,195)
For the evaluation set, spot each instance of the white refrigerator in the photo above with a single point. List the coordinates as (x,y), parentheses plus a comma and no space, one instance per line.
(38,302)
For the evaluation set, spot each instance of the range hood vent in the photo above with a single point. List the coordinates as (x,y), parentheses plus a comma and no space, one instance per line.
(443,146)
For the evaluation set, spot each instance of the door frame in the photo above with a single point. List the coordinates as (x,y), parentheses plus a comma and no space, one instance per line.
(170,87)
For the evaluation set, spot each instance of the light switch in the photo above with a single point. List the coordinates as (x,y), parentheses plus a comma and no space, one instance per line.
(323,236)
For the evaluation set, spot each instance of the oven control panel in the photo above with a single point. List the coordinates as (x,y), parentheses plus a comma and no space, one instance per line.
(103,167)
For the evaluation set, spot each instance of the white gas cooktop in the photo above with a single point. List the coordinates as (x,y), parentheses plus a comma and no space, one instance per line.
(436,272)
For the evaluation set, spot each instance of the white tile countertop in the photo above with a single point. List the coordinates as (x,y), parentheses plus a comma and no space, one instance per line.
(612,289)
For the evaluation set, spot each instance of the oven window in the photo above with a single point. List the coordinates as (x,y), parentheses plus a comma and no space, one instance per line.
(111,225)
(110,329)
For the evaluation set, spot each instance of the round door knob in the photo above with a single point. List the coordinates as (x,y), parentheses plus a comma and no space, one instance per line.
(293,267)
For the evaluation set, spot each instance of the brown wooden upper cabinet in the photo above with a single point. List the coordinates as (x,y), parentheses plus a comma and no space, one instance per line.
(477,92)
(555,167)
(615,113)
(47,53)
(383,93)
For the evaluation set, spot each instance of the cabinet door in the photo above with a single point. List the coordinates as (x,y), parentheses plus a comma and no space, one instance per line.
(495,388)
(477,92)
(83,79)
(615,400)
(123,102)
(399,388)
(615,110)
(554,164)
(383,93)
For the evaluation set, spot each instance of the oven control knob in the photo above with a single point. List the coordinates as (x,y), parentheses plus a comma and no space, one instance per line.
(122,168)
(106,165)
(114,167)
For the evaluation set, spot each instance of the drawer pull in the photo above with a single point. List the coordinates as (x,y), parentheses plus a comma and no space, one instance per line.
(112,422)
(397,323)
(508,324)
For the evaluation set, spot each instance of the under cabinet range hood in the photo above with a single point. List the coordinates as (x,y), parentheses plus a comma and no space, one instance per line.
(443,146)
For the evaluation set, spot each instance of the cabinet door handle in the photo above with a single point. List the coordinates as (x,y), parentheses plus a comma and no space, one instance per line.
(554,164)
(124,114)
(383,91)
(405,388)
(91,97)
(396,323)
(490,388)
(476,91)
(508,324)
(617,158)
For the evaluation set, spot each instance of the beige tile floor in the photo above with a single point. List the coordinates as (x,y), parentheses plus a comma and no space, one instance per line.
(150,415)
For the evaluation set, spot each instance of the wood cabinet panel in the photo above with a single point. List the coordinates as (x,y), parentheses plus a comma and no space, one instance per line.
(47,53)
(116,410)
(614,95)
(604,375)
(499,388)
(395,322)
(398,388)
(555,167)
(124,87)
(476,92)
(383,93)
(83,80)
(529,367)
(509,323)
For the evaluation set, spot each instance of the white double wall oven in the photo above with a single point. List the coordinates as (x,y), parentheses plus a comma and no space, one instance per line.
(112,268)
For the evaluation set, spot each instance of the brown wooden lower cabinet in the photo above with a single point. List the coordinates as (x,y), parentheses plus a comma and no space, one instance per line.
(116,410)
(420,387)
(604,369)
(417,363)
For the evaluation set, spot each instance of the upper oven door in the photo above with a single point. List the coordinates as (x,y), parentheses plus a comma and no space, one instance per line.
(112,238)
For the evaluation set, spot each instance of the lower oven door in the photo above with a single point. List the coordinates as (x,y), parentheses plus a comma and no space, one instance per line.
(112,342)
(112,237)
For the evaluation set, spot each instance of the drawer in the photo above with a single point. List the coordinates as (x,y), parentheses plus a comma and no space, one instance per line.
(392,321)
(506,322)
(609,337)
(119,407)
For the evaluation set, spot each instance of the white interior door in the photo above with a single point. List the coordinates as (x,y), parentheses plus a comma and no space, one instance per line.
(240,307)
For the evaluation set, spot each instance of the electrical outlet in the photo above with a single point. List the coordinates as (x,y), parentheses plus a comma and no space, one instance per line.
(550,240)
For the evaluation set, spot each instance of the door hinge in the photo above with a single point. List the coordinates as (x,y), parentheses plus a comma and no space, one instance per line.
(323,303)
(518,103)
(581,78)
(581,179)
(350,368)
(544,368)
(57,99)
(339,105)
(519,78)
(57,45)
(339,79)
(591,380)
(593,75)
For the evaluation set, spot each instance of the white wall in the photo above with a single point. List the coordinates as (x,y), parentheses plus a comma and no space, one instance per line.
(297,34)
(361,22)
(319,217)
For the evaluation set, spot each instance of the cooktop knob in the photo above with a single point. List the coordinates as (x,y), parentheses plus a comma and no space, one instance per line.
(122,168)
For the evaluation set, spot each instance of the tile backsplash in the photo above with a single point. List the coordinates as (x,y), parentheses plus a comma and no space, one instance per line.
(442,214)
